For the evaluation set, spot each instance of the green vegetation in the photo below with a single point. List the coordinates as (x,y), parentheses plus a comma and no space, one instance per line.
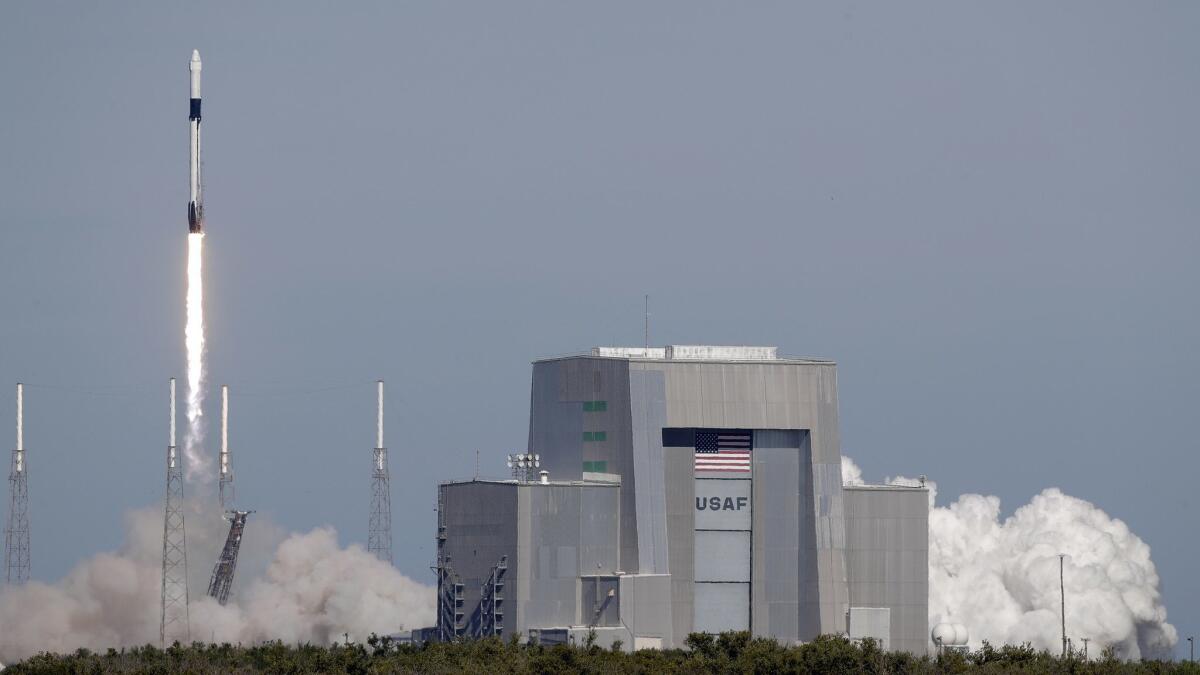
(726,653)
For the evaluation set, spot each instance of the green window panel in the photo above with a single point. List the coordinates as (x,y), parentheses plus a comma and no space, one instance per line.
(596,467)
(595,406)
(592,436)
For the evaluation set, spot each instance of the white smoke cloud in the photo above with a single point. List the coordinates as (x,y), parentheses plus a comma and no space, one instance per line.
(1000,577)
(851,474)
(297,588)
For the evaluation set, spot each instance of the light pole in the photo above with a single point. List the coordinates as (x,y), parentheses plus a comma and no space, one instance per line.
(1191,649)
(1062,589)
(1085,641)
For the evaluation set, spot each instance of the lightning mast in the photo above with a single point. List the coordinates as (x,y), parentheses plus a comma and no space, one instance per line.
(225,487)
(174,624)
(16,535)
(379,535)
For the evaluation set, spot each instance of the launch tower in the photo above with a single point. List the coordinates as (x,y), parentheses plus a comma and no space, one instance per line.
(174,625)
(225,491)
(379,536)
(222,575)
(16,535)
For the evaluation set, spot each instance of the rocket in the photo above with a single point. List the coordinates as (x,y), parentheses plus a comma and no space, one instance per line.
(196,202)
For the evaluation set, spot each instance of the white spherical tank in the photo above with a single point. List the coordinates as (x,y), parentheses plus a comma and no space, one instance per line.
(950,635)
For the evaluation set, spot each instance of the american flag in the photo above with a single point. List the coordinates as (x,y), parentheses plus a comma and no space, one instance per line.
(723,451)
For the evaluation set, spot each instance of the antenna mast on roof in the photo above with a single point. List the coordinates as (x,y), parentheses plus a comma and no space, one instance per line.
(647,342)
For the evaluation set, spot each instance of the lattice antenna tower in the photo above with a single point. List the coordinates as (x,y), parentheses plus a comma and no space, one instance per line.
(174,625)
(225,491)
(16,534)
(379,535)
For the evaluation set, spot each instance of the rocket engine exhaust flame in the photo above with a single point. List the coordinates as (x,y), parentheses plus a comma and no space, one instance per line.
(196,468)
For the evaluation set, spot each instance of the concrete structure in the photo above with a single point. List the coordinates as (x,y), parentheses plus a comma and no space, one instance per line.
(764,539)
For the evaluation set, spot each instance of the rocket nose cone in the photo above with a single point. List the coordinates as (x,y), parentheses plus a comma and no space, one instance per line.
(195,54)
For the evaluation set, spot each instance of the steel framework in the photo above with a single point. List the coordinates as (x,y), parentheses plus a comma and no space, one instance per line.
(222,576)
(379,533)
(16,534)
(491,601)
(450,624)
(174,624)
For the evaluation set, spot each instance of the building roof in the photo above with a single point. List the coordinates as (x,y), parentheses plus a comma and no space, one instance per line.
(534,482)
(889,486)
(692,354)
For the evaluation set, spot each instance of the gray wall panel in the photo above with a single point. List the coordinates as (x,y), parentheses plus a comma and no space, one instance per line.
(888,537)
(646,608)
(722,607)
(777,568)
(648,415)
(680,503)
(722,556)
(599,524)
(558,421)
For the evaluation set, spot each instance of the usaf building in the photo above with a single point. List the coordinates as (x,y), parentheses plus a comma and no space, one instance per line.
(683,489)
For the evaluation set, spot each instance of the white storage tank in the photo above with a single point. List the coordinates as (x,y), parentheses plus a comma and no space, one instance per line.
(952,636)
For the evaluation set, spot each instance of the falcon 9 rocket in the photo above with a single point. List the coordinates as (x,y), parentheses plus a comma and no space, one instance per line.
(196,203)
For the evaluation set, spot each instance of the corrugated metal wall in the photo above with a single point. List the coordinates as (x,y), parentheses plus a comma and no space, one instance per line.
(887,532)
(481,526)
(560,535)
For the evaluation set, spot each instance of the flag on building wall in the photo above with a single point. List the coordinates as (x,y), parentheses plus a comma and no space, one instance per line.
(723,451)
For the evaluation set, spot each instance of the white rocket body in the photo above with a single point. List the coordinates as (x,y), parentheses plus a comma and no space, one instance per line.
(196,200)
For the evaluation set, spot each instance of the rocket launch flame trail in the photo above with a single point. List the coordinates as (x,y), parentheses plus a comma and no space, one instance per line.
(197,463)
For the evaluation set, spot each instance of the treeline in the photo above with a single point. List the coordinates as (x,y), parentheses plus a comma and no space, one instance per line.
(726,653)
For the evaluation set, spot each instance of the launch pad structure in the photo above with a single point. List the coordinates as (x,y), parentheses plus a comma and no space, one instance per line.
(16,533)
(222,576)
(225,493)
(223,571)
(174,624)
(379,531)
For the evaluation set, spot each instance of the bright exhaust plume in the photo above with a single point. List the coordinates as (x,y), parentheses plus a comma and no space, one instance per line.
(196,467)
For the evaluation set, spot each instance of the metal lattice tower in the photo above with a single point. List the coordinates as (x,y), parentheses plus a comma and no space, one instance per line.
(225,492)
(16,535)
(379,536)
(222,576)
(174,625)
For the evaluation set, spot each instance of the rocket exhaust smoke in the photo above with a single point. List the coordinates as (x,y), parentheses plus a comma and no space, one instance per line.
(999,577)
(196,467)
(297,587)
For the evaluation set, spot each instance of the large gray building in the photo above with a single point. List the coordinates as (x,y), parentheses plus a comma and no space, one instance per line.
(689,488)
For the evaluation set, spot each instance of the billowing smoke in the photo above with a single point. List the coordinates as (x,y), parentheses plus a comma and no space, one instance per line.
(1000,577)
(297,588)
(197,464)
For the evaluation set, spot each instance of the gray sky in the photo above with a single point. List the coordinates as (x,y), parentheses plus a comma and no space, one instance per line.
(986,213)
